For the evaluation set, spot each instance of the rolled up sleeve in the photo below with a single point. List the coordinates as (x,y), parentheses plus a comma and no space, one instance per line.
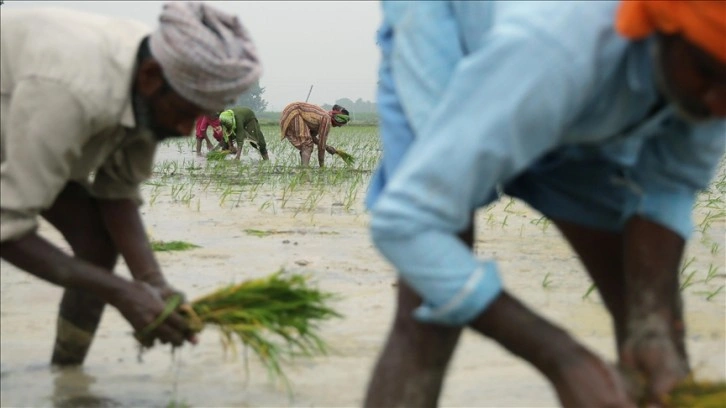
(45,130)
(673,168)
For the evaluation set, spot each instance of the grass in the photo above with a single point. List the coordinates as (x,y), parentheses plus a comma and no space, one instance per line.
(165,246)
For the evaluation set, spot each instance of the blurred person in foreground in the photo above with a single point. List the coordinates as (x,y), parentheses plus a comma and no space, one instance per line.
(208,126)
(606,117)
(306,125)
(239,123)
(84,95)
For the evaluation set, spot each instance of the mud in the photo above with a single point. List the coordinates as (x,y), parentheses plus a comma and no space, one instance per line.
(333,245)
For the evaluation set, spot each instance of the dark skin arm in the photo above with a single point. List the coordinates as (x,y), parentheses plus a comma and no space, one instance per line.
(138,302)
(321,153)
(124,224)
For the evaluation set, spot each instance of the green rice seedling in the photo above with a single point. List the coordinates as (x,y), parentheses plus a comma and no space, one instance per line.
(688,281)
(589,291)
(713,294)
(504,222)
(347,157)
(165,246)
(696,394)
(712,271)
(178,404)
(258,233)
(687,264)
(277,317)
(509,204)
(714,248)
(546,281)
(217,155)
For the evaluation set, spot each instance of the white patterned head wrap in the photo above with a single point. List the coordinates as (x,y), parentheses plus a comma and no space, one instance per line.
(207,55)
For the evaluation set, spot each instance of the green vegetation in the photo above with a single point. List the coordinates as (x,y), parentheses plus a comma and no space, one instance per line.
(164,246)
(277,317)
(281,186)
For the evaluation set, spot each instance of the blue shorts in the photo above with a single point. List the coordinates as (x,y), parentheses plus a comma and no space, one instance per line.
(596,193)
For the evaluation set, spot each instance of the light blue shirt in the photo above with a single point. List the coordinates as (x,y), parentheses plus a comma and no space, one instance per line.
(473,93)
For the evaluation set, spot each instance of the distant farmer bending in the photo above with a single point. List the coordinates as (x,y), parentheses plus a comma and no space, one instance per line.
(306,125)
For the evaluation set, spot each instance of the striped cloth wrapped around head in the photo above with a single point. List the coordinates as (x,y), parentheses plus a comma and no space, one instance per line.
(207,55)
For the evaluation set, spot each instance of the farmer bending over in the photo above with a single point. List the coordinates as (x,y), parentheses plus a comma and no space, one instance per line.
(208,126)
(606,117)
(109,92)
(240,123)
(306,125)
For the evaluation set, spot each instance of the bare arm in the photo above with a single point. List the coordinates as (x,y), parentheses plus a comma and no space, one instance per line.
(126,228)
(138,302)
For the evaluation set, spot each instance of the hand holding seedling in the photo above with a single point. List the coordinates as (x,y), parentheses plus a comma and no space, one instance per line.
(154,318)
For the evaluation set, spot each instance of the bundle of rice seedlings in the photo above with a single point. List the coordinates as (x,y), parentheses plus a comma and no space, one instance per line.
(276,317)
(347,157)
(692,394)
(217,154)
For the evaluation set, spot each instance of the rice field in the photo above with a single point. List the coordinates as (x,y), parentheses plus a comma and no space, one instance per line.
(250,218)
(280,186)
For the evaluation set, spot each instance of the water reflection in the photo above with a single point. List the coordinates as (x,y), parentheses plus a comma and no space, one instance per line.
(72,388)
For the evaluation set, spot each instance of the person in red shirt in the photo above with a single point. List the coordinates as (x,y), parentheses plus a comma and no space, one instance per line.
(208,125)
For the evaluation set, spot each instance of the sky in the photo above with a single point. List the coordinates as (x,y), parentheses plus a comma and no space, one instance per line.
(329,45)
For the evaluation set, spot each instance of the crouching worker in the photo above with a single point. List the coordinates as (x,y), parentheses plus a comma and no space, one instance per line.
(608,119)
(240,124)
(306,125)
(90,94)
(208,126)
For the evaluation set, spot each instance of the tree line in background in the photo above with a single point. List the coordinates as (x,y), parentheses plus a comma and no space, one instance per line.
(361,112)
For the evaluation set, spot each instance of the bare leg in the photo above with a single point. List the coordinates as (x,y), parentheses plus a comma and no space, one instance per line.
(645,342)
(76,216)
(579,377)
(305,153)
(199,147)
(655,337)
(411,368)
(602,254)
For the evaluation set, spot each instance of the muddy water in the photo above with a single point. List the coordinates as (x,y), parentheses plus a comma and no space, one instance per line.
(332,244)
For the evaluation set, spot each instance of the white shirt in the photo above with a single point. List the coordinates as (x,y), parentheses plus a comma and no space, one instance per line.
(67,115)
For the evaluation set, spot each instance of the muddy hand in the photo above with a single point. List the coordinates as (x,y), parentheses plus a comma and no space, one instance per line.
(142,304)
(651,352)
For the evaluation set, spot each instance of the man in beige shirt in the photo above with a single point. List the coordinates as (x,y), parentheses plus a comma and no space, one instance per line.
(85,99)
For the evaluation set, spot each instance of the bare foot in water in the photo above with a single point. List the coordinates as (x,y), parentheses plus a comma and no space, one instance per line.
(652,353)
(583,380)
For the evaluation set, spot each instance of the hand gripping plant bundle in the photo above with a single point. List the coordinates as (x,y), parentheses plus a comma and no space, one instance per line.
(276,317)
(347,157)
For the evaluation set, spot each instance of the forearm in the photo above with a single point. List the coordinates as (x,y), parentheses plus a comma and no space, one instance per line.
(124,224)
(39,257)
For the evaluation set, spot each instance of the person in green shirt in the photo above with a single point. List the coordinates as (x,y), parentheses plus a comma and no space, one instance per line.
(240,123)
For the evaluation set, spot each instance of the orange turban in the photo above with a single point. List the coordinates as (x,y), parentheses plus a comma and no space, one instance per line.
(701,22)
